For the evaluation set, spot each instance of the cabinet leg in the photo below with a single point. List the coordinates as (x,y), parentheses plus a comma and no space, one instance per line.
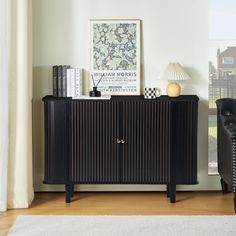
(172,191)
(235,202)
(68,193)
(168,190)
(224,186)
(72,190)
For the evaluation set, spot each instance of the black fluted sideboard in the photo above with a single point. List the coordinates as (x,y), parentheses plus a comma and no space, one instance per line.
(125,140)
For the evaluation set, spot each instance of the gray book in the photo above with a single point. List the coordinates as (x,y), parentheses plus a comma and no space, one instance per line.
(64,80)
(55,80)
(59,81)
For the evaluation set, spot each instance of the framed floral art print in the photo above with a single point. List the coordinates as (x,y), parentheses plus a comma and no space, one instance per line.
(115,56)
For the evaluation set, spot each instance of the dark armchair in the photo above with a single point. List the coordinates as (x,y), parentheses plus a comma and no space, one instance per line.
(226,143)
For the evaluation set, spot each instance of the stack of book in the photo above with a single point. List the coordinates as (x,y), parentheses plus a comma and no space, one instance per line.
(67,81)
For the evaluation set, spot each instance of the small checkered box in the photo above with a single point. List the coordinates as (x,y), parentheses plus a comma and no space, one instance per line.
(151,93)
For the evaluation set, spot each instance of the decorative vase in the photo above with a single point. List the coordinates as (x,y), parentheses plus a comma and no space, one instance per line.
(95,92)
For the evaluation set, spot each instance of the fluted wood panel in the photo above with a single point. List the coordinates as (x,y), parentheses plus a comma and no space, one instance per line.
(95,156)
(184,138)
(57,141)
(146,152)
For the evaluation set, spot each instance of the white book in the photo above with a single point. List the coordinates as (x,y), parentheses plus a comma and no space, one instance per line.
(68,83)
(104,97)
(81,81)
(78,82)
(72,81)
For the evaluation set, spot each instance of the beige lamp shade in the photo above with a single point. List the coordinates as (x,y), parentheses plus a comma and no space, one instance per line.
(174,72)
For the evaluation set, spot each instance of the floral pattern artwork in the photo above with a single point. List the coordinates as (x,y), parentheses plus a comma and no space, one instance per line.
(115,56)
(114,46)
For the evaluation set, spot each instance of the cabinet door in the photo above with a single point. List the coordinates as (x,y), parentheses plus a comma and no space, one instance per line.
(146,132)
(94,149)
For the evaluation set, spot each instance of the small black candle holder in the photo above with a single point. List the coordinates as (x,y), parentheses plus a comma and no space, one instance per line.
(95,92)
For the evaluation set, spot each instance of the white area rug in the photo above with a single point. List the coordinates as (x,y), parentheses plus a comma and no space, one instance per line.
(124,225)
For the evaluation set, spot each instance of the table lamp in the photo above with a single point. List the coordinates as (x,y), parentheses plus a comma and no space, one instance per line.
(174,72)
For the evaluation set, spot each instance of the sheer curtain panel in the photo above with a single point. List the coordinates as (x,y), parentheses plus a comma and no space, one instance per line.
(3,107)
(16,179)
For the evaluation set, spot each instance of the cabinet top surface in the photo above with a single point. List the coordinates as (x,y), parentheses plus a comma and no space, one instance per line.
(129,98)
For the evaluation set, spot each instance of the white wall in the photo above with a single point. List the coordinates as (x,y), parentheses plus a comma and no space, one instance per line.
(172,30)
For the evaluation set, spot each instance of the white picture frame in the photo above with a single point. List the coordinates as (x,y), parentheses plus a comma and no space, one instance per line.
(115,56)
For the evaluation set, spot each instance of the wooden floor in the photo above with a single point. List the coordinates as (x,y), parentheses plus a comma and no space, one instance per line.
(141,203)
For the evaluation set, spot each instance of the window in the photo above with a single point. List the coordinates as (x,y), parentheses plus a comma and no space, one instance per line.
(228,60)
(222,70)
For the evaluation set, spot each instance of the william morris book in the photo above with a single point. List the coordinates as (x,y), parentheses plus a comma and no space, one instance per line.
(55,81)
(59,81)
(74,82)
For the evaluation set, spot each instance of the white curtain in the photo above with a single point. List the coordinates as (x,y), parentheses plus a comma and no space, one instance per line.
(16,178)
(3,106)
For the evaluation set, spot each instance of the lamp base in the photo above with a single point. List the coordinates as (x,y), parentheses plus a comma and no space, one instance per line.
(173,89)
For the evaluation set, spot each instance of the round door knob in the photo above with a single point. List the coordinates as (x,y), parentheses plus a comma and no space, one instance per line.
(118,141)
(122,141)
